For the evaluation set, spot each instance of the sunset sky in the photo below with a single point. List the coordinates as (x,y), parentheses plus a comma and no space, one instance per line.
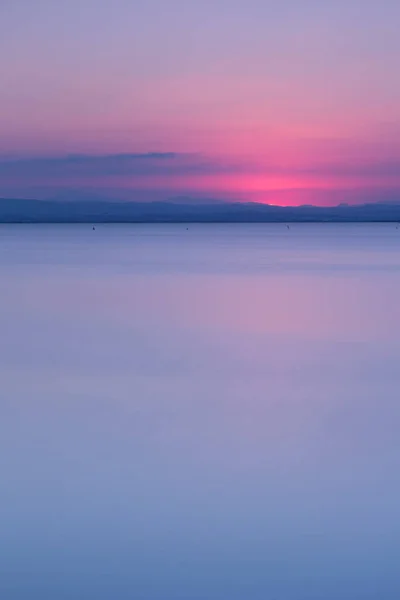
(285,102)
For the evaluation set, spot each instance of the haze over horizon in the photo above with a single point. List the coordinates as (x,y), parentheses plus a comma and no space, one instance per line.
(291,104)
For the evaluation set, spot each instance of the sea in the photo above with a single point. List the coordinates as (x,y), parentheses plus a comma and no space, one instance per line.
(200,412)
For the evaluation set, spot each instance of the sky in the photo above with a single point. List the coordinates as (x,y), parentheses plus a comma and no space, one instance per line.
(286,103)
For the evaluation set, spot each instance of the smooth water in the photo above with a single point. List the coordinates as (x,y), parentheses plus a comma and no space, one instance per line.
(206,413)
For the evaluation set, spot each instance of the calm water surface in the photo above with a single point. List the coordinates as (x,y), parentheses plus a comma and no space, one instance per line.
(206,414)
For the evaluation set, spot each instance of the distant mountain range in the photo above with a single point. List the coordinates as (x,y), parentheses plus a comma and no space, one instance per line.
(46,211)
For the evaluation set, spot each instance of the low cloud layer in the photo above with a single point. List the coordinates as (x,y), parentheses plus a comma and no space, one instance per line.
(153,164)
(162,175)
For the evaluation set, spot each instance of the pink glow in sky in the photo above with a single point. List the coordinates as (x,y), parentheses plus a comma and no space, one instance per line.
(294,100)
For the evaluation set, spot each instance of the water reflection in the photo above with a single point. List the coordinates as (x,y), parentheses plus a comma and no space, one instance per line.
(203,416)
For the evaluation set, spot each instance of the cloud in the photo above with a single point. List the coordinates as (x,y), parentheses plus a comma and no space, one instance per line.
(175,164)
(166,174)
(153,164)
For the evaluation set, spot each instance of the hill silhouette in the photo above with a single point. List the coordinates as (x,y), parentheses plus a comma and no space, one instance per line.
(46,211)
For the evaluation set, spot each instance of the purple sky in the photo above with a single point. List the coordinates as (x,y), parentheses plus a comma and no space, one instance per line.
(276,102)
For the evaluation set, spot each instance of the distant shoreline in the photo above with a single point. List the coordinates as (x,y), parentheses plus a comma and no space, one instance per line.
(22,211)
(153,222)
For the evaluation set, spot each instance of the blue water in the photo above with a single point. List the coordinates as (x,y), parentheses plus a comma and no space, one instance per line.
(210,413)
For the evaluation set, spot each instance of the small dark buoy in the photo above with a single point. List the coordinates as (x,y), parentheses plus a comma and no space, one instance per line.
(288,226)
(187,228)
(94,228)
